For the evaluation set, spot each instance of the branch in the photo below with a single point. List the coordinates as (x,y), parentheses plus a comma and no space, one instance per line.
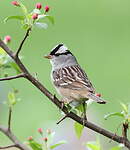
(63,118)
(22,42)
(71,115)
(9,119)
(125,127)
(10,146)
(13,77)
(13,138)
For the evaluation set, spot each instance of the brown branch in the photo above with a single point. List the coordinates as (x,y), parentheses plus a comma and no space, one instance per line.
(22,42)
(125,127)
(13,77)
(63,118)
(13,138)
(71,115)
(10,146)
(9,119)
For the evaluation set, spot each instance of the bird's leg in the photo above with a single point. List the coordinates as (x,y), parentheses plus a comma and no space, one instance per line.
(84,113)
(63,102)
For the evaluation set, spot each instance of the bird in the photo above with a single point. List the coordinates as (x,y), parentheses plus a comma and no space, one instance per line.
(69,79)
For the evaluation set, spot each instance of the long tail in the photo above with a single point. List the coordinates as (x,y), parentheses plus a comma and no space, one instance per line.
(96,98)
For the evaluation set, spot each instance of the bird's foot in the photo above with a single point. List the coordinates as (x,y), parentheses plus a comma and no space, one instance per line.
(62,104)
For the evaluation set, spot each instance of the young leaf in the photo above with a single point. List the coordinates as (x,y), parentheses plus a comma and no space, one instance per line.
(2,52)
(26,26)
(80,108)
(78,129)
(125,108)
(89,103)
(50,18)
(119,147)
(41,25)
(36,11)
(129,109)
(14,17)
(34,145)
(113,114)
(11,98)
(51,137)
(128,113)
(15,66)
(24,9)
(58,144)
(93,145)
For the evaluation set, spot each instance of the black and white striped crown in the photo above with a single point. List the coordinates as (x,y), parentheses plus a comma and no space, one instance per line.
(60,49)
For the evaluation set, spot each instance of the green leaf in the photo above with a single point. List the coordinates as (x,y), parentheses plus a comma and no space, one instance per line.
(11,98)
(36,11)
(14,17)
(89,103)
(26,26)
(2,52)
(128,113)
(93,145)
(80,108)
(58,144)
(24,9)
(34,145)
(113,114)
(41,25)
(119,147)
(50,18)
(78,129)
(125,108)
(128,109)
(50,138)
(15,66)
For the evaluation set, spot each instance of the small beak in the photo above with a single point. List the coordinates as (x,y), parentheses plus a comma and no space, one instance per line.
(48,56)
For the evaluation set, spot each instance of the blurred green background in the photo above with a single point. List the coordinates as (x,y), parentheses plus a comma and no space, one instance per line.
(98,33)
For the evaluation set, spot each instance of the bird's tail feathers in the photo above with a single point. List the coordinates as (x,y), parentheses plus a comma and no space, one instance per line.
(96,98)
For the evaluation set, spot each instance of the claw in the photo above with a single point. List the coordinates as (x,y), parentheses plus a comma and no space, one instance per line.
(62,104)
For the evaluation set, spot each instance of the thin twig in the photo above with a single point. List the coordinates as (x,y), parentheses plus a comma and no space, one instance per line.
(9,119)
(13,77)
(22,42)
(10,146)
(62,119)
(13,138)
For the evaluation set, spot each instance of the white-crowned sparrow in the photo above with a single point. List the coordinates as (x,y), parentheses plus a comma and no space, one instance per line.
(70,80)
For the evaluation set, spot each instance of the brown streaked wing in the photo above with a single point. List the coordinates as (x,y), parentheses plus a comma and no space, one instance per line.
(72,77)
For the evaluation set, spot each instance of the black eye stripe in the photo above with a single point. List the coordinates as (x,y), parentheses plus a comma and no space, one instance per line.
(66,53)
(55,49)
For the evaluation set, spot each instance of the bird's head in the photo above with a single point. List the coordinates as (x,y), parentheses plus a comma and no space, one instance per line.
(60,56)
